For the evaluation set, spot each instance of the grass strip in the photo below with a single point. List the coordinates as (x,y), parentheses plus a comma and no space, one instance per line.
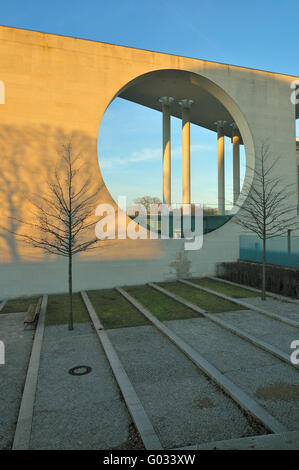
(159,305)
(114,311)
(208,302)
(227,289)
(58,310)
(19,305)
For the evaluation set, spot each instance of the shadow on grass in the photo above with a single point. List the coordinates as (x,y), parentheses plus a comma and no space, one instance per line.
(58,310)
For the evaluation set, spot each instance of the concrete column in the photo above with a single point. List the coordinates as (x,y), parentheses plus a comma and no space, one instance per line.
(166,102)
(186,104)
(221,176)
(236,161)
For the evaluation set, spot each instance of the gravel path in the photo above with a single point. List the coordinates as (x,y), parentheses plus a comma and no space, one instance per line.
(274,384)
(18,344)
(285,309)
(184,406)
(78,412)
(272,331)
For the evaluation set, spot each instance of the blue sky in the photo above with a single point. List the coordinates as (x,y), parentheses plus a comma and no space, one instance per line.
(258,34)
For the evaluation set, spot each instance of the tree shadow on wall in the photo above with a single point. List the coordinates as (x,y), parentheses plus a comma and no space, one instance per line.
(28,158)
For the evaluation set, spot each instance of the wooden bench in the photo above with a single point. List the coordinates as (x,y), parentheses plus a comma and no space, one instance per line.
(32,314)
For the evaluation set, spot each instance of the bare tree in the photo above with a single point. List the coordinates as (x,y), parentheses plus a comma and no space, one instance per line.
(62,222)
(266,210)
(146,201)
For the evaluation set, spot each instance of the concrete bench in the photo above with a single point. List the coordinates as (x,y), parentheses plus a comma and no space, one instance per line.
(32,314)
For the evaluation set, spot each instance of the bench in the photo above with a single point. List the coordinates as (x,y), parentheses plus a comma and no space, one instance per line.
(32,314)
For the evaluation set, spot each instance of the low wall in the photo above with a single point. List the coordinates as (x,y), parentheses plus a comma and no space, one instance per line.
(279,279)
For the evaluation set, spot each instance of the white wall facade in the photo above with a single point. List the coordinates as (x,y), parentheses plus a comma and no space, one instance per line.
(55,85)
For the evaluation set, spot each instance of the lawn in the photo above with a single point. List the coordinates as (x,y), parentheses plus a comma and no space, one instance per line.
(159,304)
(114,311)
(58,310)
(19,305)
(227,289)
(208,302)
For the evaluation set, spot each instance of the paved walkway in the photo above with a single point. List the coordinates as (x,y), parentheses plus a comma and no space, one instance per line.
(256,372)
(285,309)
(262,327)
(183,405)
(78,412)
(18,345)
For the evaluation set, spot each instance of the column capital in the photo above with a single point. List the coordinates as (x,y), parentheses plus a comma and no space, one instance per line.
(220,124)
(166,100)
(186,103)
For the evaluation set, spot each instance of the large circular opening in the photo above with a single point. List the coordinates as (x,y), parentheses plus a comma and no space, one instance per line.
(130,144)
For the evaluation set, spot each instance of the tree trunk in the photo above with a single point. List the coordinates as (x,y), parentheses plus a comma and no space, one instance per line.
(264,271)
(70,294)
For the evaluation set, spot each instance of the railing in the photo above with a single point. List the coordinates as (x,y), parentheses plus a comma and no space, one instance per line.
(282,251)
(210,223)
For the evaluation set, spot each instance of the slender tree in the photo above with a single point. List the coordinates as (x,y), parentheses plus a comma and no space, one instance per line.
(266,210)
(62,223)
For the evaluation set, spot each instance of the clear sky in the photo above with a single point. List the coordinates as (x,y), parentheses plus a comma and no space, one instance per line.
(261,34)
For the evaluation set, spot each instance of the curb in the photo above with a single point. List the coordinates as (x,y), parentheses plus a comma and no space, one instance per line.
(243,304)
(283,441)
(136,410)
(2,304)
(24,422)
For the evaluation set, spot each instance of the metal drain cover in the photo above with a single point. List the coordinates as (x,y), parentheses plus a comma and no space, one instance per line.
(80,370)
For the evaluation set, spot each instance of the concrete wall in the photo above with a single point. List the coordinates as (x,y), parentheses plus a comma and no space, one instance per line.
(58,86)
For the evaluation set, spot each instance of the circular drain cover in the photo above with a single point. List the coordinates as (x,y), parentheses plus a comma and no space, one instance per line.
(80,370)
